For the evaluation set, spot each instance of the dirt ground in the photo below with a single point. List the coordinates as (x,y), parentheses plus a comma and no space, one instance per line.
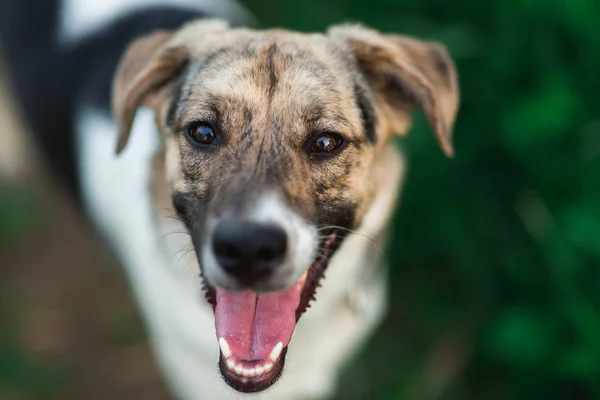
(68,326)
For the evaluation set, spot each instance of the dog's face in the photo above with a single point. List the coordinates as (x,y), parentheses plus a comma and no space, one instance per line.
(271,143)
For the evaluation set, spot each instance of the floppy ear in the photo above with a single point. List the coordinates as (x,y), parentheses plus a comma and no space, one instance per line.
(147,65)
(405,72)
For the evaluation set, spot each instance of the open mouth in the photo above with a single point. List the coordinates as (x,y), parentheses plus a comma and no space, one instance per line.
(254,329)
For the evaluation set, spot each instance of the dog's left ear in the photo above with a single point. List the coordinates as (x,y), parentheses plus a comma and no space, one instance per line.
(405,72)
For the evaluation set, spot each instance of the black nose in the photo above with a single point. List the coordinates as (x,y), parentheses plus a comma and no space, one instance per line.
(249,251)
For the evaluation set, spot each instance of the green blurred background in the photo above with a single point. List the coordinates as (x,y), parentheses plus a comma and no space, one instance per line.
(495,254)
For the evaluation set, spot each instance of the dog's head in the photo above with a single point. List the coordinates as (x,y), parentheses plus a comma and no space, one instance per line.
(271,141)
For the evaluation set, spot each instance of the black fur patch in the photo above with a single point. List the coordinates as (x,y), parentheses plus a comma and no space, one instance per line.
(340,214)
(366,112)
(212,57)
(182,208)
(110,44)
(41,80)
(248,116)
(51,84)
(177,96)
(440,63)
(273,78)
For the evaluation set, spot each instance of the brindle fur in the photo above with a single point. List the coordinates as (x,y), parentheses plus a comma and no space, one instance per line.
(266,92)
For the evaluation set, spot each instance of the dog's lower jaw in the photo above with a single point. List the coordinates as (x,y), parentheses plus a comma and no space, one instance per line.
(250,377)
(246,322)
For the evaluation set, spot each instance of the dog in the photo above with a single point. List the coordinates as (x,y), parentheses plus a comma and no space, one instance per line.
(245,178)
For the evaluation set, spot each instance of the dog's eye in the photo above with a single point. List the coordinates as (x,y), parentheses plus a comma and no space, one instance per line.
(201,133)
(326,143)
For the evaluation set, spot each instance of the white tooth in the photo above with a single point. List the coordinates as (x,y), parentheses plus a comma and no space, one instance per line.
(230,364)
(276,352)
(301,281)
(224,348)
(246,372)
(268,366)
(238,369)
(251,372)
(260,370)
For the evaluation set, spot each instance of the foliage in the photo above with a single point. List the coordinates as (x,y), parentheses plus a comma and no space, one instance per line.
(17,213)
(495,253)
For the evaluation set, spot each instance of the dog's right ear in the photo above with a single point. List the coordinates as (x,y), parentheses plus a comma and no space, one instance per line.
(147,65)
(153,61)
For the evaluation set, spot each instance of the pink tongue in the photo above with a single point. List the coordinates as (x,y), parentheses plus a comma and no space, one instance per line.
(252,323)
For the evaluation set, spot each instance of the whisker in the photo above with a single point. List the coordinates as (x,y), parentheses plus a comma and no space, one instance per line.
(369,239)
(176,232)
(174,215)
(169,210)
(184,254)
(163,237)
(185,250)
(328,236)
(320,228)
(323,256)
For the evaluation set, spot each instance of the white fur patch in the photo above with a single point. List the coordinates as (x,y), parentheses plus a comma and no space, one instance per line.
(80,18)
(116,195)
(302,237)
